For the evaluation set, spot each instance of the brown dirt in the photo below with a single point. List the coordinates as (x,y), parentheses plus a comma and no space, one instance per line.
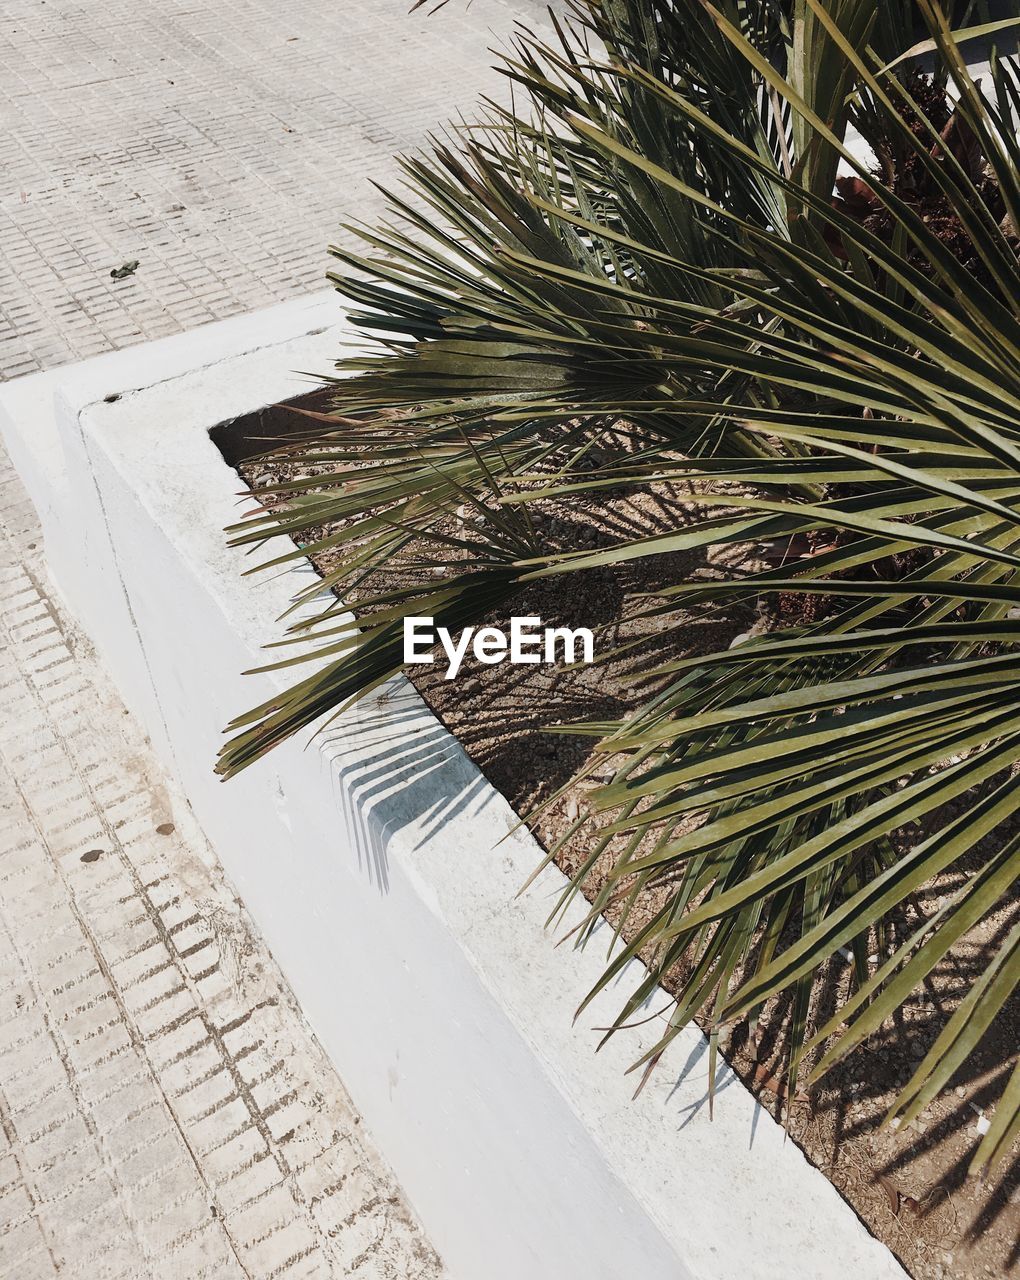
(910,1187)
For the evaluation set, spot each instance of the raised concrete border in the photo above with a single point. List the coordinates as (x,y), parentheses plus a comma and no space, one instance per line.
(377,862)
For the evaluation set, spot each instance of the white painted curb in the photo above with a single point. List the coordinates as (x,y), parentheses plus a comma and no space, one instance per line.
(377,863)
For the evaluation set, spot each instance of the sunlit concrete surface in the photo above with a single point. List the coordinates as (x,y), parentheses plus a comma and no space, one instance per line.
(220,145)
(164,1109)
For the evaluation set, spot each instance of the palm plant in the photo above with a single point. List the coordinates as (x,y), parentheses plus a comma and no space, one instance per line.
(672,265)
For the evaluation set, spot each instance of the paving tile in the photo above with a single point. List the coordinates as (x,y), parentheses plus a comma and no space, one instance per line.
(161,1113)
(221,146)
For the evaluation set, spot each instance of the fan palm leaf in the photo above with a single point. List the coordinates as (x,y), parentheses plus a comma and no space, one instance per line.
(646,281)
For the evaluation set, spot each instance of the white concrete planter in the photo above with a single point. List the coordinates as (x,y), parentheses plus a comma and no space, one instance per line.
(377,862)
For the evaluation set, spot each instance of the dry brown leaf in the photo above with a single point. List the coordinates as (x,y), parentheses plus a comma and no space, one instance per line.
(891,1191)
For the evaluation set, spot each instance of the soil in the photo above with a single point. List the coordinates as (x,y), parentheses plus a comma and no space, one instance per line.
(910,1186)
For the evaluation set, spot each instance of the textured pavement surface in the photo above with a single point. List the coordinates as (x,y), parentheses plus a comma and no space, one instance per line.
(219,144)
(164,1109)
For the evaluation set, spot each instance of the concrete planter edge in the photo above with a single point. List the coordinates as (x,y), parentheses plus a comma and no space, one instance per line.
(383,869)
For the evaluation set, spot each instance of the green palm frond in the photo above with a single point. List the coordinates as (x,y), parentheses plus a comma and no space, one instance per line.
(673,270)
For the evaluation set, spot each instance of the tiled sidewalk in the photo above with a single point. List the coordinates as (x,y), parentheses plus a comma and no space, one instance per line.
(219,144)
(164,1109)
